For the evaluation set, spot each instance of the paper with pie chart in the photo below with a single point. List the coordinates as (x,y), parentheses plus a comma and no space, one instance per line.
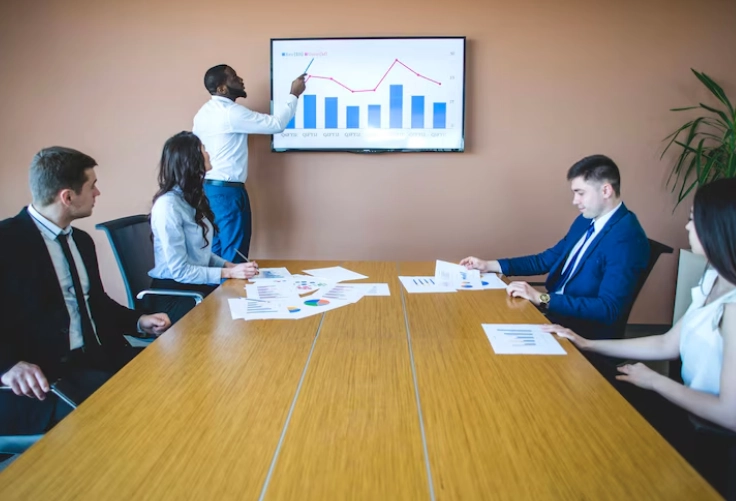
(487,281)
(451,277)
(456,276)
(253,309)
(305,284)
(307,306)
(492,281)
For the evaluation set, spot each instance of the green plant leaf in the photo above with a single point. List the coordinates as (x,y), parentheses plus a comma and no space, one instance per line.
(685,109)
(718,112)
(673,137)
(715,89)
(707,144)
(685,189)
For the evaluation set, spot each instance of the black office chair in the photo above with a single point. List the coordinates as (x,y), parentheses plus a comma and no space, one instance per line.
(130,239)
(656,249)
(12,446)
(729,438)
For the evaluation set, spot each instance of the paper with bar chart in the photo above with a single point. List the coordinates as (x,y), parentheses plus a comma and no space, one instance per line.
(372,94)
(521,339)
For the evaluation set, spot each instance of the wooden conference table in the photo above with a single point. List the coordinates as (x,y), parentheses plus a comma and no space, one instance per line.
(398,397)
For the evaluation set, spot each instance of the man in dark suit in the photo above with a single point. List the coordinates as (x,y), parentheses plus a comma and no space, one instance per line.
(594,269)
(58,324)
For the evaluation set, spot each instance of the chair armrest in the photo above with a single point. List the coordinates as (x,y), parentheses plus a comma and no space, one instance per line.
(169,292)
(17,444)
(56,391)
(703,426)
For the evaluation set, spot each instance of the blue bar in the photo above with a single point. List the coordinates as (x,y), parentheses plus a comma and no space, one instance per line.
(417,112)
(352,117)
(439,120)
(396,106)
(330,113)
(291,124)
(310,112)
(374,116)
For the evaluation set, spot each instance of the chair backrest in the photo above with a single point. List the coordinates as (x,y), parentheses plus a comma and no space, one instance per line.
(656,249)
(130,239)
(17,444)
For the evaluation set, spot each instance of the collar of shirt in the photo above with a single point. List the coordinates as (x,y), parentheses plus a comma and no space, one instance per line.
(600,222)
(223,99)
(46,226)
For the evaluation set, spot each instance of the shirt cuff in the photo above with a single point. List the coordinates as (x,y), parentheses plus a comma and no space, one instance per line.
(214,275)
(292,99)
(217,261)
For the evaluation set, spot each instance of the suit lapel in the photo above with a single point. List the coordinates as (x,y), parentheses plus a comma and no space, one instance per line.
(620,213)
(557,267)
(33,241)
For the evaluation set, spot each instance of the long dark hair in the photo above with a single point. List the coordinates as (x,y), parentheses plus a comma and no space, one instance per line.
(182,164)
(714,215)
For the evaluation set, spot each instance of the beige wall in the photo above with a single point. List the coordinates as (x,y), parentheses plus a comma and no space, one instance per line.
(548,82)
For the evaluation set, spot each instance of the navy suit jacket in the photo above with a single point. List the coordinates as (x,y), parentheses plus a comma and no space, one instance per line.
(35,319)
(600,290)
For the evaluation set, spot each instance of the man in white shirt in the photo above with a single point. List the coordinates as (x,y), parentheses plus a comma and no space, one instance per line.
(223,127)
(593,271)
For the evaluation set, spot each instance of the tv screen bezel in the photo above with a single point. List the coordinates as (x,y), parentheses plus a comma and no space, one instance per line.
(461,149)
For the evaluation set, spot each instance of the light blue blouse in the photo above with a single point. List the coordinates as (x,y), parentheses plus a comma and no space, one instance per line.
(179,249)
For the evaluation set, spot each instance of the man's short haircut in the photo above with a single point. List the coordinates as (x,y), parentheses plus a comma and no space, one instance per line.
(215,77)
(598,168)
(55,169)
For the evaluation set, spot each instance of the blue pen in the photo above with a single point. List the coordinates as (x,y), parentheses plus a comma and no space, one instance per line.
(310,64)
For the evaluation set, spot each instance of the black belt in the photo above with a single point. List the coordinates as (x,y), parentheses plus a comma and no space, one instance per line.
(229,184)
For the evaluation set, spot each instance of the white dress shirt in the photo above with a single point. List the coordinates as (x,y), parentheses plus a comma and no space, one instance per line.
(223,126)
(50,232)
(180,251)
(598,225)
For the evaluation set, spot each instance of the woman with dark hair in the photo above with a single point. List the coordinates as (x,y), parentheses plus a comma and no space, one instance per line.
(694,416)
(181,221)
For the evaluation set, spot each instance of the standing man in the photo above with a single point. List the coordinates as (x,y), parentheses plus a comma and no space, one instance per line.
(223,127)
(594,269)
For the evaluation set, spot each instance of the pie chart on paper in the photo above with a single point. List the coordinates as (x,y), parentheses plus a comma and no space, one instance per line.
(316,302)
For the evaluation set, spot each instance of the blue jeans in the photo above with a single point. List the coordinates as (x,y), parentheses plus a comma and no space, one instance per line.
(231,207)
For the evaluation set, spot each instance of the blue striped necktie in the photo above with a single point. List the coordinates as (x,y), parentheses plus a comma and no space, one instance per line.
(567,271)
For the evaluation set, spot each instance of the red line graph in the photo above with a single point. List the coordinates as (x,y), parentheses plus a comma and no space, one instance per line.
(396,61)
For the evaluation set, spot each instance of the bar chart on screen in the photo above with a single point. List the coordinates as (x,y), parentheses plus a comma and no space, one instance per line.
(372,93)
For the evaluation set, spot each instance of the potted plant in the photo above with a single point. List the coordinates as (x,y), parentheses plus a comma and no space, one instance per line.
(707,151)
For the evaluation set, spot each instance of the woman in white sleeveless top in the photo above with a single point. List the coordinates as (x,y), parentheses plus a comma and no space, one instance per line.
(704,338)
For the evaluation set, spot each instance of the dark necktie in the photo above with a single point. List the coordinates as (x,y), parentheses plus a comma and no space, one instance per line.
(567,271)
(88,332)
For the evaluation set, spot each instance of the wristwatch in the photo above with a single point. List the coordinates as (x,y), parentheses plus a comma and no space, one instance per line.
(544,300)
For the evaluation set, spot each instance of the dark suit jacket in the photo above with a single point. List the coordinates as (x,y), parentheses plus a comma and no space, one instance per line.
(35,320)
(601,288)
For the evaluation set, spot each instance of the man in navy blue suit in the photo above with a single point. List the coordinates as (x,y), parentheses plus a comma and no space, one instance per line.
(593,270)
